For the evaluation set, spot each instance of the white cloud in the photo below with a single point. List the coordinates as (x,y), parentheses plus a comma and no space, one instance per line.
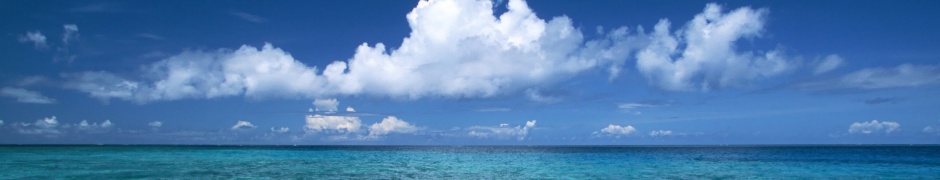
(256,73)
(703,54)
(935,129)
(536,96)
(243,125)
(38,40)
(874,127)
(350,109)
(280,130)
(155,124)
(616,130)
(25,96)
(70,33)
(495,109)
(152,37)
(631,107)
(332,124)
(905,75)
(660,133)
(503,131)
(456,49)
(391,124)
(105,126)
(1,122)
(42,126)
(829,63)
(249,17)
(328,105)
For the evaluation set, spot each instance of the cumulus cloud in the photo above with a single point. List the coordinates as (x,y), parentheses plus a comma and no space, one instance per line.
(902,76)
(935,129)
(350,109)
(105,126)
(660,133)
(616,130)
(35,37)
(827,64)
(328,105)
(332,124)
(702,55)
(25,96)
(873,127)
(42,126)
(280,130)
(243,125)
(391,124)
(456,49)
(155,124)
(256,73)
(503,131)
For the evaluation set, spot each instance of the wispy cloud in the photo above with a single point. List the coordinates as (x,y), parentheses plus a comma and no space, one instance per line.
(881,100)
(902,76)
(828,63)
(36,38)
(249,17)
(151,36)
(97,8)
(25,96)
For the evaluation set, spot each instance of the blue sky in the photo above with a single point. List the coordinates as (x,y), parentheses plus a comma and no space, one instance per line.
(469,72)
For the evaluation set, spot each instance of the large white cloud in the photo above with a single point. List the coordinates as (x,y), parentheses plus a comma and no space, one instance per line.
(457,48)
(876,127)
(503,131)
(702,55)
(332,124)
(25,96)
(391,124)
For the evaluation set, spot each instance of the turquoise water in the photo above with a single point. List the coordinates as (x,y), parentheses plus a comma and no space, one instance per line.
(479,162)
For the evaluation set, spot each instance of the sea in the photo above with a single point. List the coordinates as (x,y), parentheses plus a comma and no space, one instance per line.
(469,162)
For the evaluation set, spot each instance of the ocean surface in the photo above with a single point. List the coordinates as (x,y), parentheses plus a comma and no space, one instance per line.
(469,162)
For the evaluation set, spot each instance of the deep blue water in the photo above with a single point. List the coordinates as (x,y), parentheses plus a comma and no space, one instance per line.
(470,162)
